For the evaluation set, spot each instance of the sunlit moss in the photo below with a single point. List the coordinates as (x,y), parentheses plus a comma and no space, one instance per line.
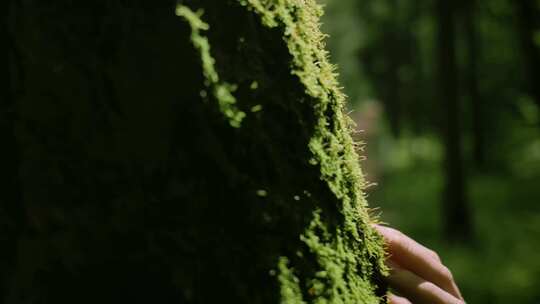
(222,91)
(355,245)
(351,255)
(289,283)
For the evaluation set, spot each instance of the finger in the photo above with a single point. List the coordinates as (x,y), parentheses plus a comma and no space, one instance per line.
(417,289)
(393,299)
(397,240)
(413,256)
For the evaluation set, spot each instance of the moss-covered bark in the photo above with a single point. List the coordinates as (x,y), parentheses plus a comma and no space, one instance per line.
(190,153)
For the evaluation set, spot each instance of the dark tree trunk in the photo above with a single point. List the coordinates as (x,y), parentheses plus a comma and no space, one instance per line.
(390,95)
(476,101)
(188,158)
(456,215)
(385,72)
(528,23)
(11,208)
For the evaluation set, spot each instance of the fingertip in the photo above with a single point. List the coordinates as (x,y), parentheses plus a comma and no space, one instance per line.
(394,299)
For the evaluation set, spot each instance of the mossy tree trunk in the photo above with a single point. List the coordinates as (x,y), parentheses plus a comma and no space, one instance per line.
(191,152)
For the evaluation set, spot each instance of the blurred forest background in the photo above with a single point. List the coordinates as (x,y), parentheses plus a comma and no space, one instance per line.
(447,96)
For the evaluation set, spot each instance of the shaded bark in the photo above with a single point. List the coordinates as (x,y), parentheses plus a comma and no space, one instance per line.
(11,207)
(455,211)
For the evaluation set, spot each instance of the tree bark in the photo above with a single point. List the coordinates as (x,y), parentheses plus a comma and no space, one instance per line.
(456,214)
(11,208)
(201,157)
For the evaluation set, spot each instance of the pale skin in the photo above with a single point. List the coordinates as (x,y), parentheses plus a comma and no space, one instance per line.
(416,272)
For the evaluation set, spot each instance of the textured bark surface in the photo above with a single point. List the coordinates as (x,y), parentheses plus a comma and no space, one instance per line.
(171,155)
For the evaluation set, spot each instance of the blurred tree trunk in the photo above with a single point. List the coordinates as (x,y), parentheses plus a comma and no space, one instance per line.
(477,104)
(456,215)
(391,93)
(528,23)
(202,157)
(383,59)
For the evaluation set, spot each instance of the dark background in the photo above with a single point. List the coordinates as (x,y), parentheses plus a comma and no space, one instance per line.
(447,96)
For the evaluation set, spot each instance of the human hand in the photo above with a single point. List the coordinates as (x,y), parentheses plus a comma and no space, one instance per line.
(416,272)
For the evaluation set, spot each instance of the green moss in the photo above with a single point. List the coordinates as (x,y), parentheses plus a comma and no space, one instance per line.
(336,282)
(354,246)
(256,108)
(222,91)
(289,283)
(350,255)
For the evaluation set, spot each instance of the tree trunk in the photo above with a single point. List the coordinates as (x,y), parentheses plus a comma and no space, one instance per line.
(196,157)
(476,102)
(11,212)
(456,215)
(528,17)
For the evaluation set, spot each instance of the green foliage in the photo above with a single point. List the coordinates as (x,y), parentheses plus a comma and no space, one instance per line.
(387,51)
(500,267)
